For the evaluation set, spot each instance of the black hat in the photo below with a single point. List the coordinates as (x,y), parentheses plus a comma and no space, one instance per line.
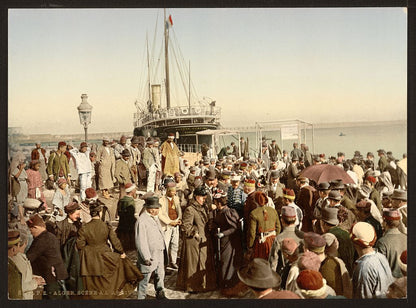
(295,158)
(337,184)
(330,215)
(200,191)
(258,274)
(125,153)
(210,175)
(275,174)
(152,202)
(340,154)
(323,186)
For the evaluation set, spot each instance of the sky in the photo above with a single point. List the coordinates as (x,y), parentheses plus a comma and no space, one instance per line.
(317,65)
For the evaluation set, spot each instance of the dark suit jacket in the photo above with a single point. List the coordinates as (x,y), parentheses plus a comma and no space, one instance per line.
(306,201)
(43,254)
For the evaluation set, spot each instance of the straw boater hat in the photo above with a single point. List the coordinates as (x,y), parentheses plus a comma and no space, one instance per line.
(311,283)
(258,274)
(363,234)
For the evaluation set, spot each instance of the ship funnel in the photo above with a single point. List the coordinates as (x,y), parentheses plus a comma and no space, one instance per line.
(156,96)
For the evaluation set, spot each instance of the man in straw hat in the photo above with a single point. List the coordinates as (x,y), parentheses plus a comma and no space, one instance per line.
(259,277)
(45,256)
(150,243)
(372,274)
(393,242)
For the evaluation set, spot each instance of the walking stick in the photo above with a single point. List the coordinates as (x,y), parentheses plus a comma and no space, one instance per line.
(219,246)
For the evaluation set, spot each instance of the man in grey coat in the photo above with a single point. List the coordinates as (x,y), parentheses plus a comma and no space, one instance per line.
(151,247)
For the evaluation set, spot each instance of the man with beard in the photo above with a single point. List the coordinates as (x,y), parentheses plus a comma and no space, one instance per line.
(170,156)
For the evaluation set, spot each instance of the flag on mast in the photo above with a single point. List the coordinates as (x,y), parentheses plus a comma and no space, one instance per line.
(169,22)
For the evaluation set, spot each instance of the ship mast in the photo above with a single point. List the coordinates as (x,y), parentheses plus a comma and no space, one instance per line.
(166,61)
(148,66)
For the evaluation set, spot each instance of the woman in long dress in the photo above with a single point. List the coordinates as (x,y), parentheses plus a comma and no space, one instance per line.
(226,230)
(106,274)
(18,171)
(196,269)
(35,182)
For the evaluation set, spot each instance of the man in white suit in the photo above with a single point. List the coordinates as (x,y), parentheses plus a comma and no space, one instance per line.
(170,216)
(151,248)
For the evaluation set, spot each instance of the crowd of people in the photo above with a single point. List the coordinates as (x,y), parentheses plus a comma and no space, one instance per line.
(226,222)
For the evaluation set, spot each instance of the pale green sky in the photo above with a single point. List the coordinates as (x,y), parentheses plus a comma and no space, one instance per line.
(316,65)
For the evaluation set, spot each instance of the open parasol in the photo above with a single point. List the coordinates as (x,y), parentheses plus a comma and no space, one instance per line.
(326,173)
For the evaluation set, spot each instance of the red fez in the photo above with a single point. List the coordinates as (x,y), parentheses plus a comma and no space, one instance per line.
(310,280)
(261,198)
(288,193)
(71,207)
(250,182)
(403,257)
(90,193)
(371,179)
(61,144)
(83,145)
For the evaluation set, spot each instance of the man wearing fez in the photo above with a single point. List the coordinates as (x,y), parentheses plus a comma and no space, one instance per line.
(372,274)
(58,164)
(151,248)
(170,156)
(45,256)
(123,172)
(170,216)
(262,281)
(14,275)
(393,242)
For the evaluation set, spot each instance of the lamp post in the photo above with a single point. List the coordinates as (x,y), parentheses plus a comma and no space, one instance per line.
(84,111)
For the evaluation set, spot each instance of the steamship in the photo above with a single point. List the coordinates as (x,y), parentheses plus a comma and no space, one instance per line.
(157,115)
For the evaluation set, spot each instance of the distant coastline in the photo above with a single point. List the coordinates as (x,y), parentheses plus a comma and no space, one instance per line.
(25,138)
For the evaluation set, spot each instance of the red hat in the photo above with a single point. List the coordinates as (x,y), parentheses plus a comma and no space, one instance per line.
(250,183)
(283,294)
(391,214)
(310,280)
(35,220)
(171,185)
(403,257)
(129,187)
(71,207)
(309,260)
(289,246)
(371,179)
(288,194)
(363,204)
(288,212)
(171,135)
(83,145)
(90,193)
(261,198)
(61,144)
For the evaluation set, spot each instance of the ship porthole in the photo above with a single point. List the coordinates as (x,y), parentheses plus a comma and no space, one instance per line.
(197,110)
(184,110)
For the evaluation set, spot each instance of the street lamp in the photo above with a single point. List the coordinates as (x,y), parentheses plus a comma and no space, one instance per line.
(84,111)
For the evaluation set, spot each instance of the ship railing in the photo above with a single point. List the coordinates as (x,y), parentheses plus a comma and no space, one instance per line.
(178,112)
(193,148)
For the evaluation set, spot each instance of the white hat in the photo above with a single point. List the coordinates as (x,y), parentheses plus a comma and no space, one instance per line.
(363,234)
(129,187)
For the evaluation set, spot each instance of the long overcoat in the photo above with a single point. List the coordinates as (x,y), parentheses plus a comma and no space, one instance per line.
(106,167)
(196,270)
(170,158)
